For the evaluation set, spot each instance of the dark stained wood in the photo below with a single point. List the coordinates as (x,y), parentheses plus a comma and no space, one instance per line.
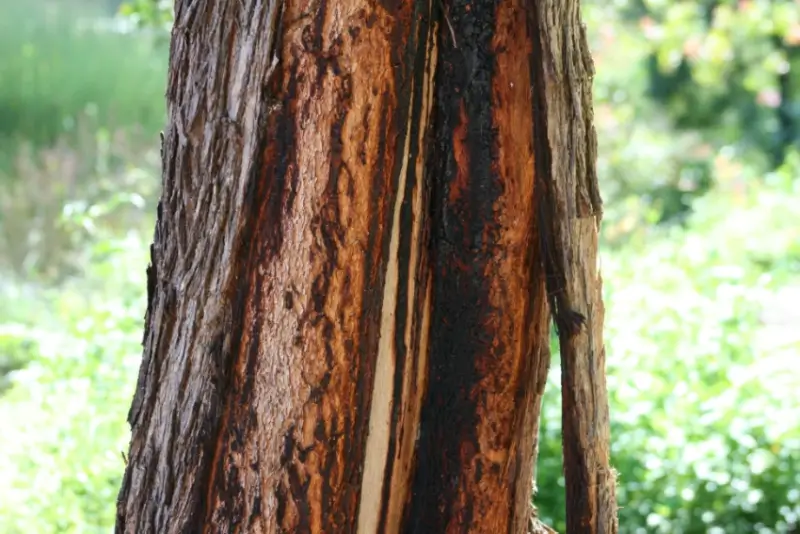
(487,357)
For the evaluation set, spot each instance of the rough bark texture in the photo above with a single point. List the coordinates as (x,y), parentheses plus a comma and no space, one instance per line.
(347,325)
(570,209)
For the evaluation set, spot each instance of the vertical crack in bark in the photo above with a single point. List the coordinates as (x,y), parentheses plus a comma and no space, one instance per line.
(413,374)
(383,392)
(399,369)
(570,211)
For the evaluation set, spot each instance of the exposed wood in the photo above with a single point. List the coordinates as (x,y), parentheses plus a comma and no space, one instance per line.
(488,355)
(347,325)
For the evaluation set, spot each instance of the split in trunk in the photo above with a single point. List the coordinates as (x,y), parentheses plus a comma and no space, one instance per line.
(347,325)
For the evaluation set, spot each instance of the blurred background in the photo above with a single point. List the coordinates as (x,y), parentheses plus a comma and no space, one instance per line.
(698,118)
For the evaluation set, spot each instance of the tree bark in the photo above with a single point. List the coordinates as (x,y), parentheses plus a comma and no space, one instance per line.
(569,212)
(347,329)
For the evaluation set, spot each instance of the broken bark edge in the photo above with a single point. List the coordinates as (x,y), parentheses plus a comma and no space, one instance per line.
(607,489)
(535,525)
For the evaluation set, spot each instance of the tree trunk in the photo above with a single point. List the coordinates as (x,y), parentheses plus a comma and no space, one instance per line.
(365,209)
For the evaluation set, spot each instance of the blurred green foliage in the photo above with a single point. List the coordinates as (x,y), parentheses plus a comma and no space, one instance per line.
(149,13)
(61,60)
(64,418)
(696,110)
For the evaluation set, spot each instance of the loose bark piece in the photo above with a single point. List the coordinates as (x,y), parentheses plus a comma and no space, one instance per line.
(570,211)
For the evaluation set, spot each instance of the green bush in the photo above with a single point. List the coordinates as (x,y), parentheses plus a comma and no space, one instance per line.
(703,389)
(64,418)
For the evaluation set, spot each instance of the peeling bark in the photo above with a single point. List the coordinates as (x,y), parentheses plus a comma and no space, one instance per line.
(347,325)
(570,210)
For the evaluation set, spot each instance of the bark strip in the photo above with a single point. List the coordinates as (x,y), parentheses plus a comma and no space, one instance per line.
(569,210)
(488,355)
